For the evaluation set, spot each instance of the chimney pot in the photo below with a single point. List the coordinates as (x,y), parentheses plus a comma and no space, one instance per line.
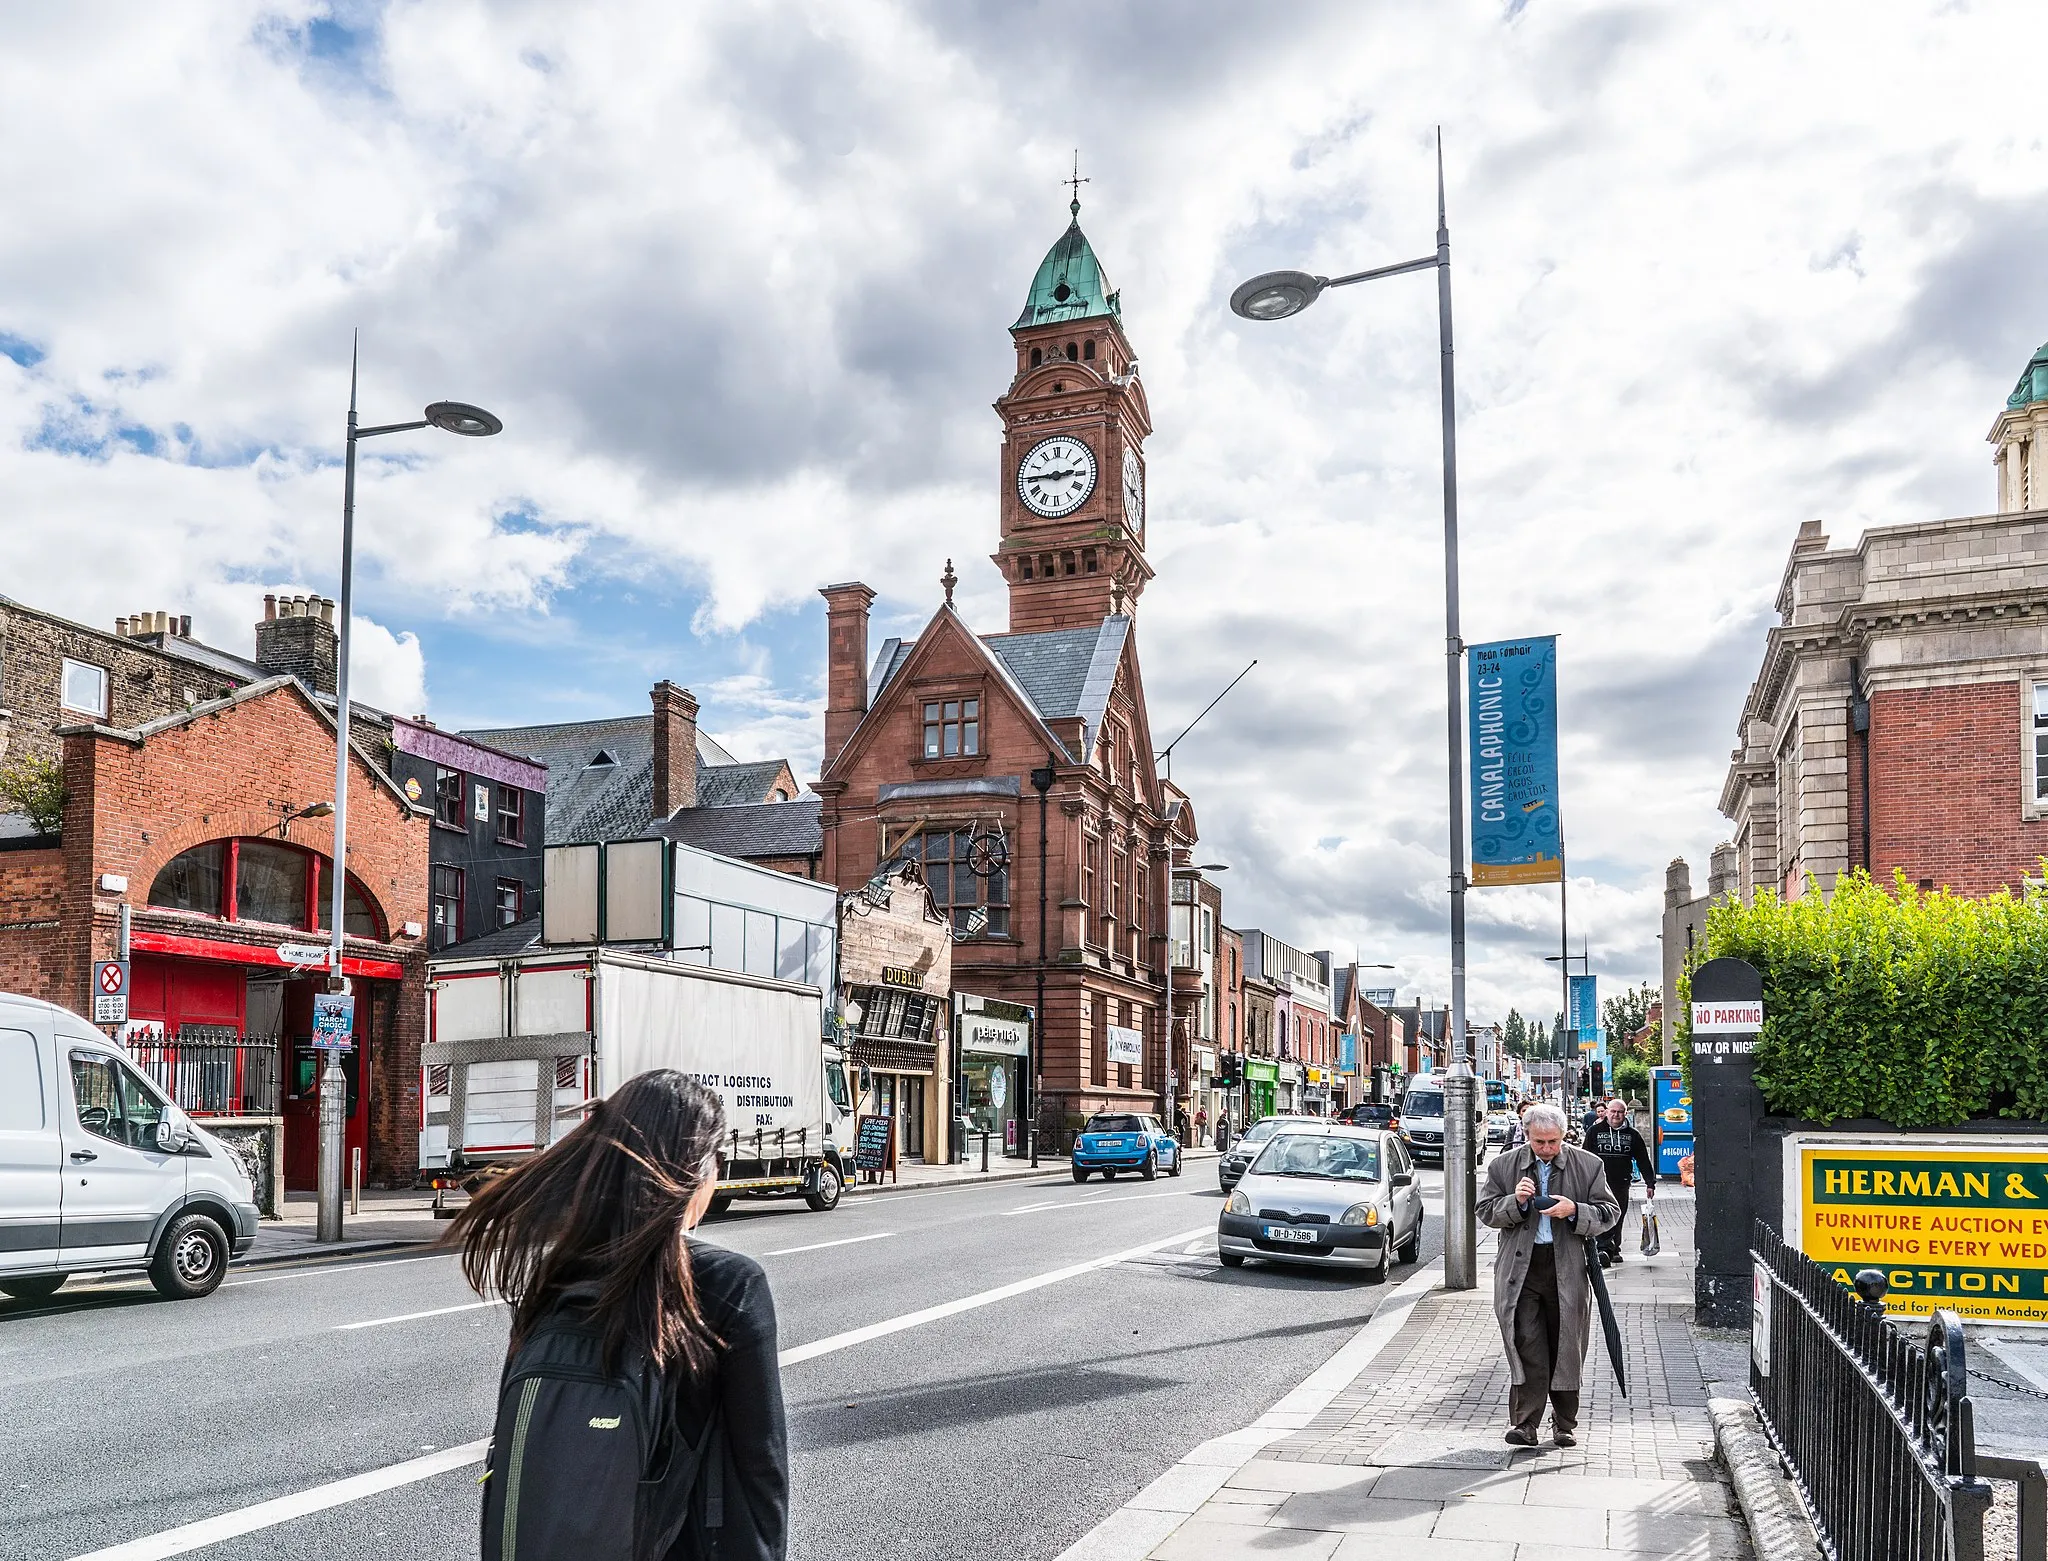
(184,626)
(270,607)
(327,609)
(121,627)
(675,748)
(293,639)
(163,622)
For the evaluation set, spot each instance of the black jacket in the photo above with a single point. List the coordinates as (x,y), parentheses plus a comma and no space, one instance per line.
(747,1389)
(1618,1148)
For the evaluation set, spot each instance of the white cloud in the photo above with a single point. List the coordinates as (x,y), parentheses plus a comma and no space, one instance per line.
(737,280)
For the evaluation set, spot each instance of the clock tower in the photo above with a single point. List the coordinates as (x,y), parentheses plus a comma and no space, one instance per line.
(1073,465)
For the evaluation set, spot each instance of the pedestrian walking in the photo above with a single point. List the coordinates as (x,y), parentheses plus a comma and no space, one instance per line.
(1547,1200)
(640,1412)
(1180,1125)
(1622,1150)
(1517,1134)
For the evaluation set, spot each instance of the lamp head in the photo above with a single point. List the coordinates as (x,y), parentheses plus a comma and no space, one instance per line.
(459,417)
(1276,295)
(315,810)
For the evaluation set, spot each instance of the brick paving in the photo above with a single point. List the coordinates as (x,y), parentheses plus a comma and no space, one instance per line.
(1407,1461)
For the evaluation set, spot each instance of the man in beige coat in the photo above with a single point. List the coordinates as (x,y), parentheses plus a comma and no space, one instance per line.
(1540,1290)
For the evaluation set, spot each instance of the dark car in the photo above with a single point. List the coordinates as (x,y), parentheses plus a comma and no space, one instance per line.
(1373,1113)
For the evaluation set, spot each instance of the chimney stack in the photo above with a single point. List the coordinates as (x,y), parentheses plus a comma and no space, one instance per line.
(296,639)
(1724,873)
(675,748)
(184,626)
(846,662)
(1677,884)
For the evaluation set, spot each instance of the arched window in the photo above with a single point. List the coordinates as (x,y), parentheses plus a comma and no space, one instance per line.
(1037,356)
(1088,351)
(268,881)
(1073,353)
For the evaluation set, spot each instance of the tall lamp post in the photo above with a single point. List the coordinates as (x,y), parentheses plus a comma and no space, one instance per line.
(1181,1071)
(1276,295)
(455,417)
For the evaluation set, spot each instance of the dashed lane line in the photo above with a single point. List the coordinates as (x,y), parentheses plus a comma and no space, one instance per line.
(408,1317)
(283,1509)
(819,1246)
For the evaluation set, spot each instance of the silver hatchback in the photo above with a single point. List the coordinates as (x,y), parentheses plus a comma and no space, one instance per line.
(1325,1194)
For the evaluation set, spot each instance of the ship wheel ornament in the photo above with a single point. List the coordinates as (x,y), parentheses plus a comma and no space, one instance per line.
(988,854)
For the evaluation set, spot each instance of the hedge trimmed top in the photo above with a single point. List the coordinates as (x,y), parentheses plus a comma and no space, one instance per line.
(1919,1009)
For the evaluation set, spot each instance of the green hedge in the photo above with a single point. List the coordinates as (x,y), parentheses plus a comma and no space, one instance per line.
(1919,1009)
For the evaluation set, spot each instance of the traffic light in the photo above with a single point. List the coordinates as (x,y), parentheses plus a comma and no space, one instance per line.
(1228,1069)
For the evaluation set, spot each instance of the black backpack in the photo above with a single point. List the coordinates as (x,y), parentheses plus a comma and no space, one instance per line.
(589,1465)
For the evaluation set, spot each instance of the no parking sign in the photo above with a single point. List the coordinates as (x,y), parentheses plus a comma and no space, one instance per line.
(110,992)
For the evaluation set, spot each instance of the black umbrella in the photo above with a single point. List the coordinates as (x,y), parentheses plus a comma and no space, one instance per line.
(1608,1325)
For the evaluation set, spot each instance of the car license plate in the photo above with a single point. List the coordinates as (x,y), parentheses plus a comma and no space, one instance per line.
(1289,1233)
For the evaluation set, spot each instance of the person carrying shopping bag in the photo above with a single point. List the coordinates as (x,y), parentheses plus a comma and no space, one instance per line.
(640,1412)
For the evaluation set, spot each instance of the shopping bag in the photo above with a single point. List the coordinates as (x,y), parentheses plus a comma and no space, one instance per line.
(1651,1243)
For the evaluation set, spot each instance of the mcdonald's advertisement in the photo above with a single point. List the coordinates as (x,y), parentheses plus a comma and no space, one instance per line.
(1511,687)
(1962,1228)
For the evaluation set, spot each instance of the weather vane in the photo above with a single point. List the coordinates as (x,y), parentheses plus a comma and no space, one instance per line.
(1076,182)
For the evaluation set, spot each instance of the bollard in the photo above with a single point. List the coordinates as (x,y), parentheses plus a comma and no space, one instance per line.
(984,1154)
(355,1181)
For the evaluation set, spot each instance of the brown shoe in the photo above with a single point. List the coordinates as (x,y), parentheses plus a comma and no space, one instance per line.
(1564,1438)
(1520,1437)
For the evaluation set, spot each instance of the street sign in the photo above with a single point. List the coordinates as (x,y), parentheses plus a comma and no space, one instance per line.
(334,1021)
(303,953)
(110,992)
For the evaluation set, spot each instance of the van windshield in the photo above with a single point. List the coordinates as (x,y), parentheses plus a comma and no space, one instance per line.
(1425,1105)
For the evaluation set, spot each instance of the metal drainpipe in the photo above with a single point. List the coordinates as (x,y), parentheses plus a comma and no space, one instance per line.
(1041,782)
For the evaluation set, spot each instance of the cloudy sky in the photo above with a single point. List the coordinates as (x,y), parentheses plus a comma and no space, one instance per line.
(738,280)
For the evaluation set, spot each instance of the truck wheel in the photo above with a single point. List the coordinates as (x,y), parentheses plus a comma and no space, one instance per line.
(32,1287)
(830,1186)
(191,1260)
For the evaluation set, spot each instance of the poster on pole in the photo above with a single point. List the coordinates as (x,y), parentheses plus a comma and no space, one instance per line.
(1585,1017)
(1511,697)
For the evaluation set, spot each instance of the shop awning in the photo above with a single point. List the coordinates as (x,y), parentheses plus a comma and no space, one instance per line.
(893,1056)
(144,941)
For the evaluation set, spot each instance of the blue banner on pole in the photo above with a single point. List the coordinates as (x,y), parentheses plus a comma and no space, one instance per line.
(1511,689)
(1585,1016)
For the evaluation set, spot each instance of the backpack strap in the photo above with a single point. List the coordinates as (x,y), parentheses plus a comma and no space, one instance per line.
(713,1472)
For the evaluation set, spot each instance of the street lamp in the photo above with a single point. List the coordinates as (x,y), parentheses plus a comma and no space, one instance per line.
(455,417)
(1277,295)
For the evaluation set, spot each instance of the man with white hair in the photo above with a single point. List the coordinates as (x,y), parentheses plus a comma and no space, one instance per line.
(1547,1200)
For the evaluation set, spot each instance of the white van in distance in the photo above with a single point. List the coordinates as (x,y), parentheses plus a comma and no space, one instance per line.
(99,1172)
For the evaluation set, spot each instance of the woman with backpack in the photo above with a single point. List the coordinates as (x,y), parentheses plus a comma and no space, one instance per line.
(640,1410)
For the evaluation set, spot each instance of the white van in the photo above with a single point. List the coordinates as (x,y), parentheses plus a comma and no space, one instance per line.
(98,1171)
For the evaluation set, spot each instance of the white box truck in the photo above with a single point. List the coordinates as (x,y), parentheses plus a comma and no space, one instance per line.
(518,1048)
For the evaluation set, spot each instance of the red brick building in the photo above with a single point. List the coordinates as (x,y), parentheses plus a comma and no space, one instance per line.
(1900,719)
(938,747)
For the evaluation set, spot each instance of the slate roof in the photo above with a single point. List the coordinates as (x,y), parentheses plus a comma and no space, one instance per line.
(753,831)
(736,785)
(616,800)
(1062,672)
(1340,989)
(498,943)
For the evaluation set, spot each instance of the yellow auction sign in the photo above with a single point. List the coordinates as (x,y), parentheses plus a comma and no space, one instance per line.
(1954,1227)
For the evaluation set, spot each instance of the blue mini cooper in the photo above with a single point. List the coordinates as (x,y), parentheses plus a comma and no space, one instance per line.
(1125,1141)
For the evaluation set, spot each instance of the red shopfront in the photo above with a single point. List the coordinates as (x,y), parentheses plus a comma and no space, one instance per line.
(200,988)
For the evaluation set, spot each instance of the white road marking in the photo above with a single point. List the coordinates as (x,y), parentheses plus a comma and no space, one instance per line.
(968,1303)
(1093,1203)
(344,1268)
(406,1317)
(1203,1245)
(819,1246)
(267,1514)
(283,1509)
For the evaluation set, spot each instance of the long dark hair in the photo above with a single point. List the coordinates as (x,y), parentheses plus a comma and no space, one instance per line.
(604,1208)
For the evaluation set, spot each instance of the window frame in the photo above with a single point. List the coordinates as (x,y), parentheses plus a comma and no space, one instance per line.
(516,812)
(104,710)
(2033,734)
(954,717)
(991,894)
(450,786)
(439,873)
(314,897)
(518,888)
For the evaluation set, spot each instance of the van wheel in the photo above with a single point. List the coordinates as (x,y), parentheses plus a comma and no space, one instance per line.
(32,1287)
(720,1202)
(191,1260)
(826,1197)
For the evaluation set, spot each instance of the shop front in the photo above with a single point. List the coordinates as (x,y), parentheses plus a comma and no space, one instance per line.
(1315,1093)
(995,1052)
(895,981)
(1208,1100)
(1262,1082)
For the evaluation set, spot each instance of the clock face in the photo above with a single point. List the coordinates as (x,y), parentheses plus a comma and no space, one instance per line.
(1056,476)
(1134,490)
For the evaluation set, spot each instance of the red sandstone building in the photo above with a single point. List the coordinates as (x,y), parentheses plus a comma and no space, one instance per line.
(937,743)
(1900,719)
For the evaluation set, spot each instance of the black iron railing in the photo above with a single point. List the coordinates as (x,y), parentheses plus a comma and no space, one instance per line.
(213,1074)
(1878,1430)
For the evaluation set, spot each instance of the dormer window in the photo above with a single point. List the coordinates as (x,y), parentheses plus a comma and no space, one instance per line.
(601,760)
(952,728)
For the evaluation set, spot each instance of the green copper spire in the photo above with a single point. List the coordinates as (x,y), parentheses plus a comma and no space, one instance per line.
(2033,385)
(1069,284)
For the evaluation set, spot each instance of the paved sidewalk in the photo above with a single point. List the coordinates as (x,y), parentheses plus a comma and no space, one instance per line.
(1403,1457)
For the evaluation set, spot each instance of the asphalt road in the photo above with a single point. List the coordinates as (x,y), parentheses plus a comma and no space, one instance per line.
(1003,1428)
